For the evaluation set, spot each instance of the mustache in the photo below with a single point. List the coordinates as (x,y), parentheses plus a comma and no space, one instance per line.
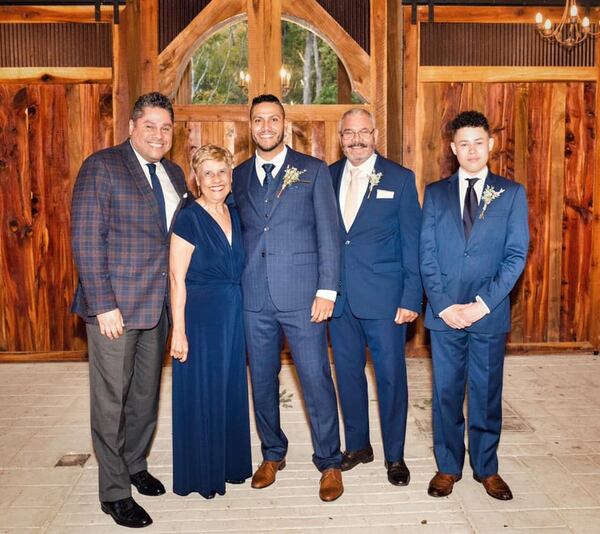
(357,145)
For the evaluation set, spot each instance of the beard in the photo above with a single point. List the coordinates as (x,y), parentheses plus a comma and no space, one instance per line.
(277,144)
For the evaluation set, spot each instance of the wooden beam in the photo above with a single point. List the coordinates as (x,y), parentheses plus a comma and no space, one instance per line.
(312,16)
(410,73)
(595,263)
(173,60)
(120,89)
(264,58)
(37,14)
(46,356)
(483,14)
(506,74)
(56,75)
(148,43)
(378,64)
(394,80)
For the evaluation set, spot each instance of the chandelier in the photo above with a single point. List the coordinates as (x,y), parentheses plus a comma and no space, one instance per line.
(570,31)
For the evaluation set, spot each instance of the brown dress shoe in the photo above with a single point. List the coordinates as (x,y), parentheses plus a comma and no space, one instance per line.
(265,474)
(441,484)
(331,486)
(495,487)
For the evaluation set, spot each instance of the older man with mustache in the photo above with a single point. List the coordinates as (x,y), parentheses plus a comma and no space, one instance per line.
(380,290)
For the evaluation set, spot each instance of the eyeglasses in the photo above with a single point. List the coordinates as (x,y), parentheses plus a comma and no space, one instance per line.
(349,134)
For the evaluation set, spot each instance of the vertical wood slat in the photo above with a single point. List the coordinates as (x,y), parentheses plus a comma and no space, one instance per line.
(578,202)
(556,200)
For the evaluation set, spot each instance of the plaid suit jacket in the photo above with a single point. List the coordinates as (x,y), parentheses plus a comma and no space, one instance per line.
(119,245)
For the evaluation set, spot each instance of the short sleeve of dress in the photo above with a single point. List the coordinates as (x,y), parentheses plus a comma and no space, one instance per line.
(184,225)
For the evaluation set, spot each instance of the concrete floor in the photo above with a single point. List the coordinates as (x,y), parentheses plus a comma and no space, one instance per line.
(549,454)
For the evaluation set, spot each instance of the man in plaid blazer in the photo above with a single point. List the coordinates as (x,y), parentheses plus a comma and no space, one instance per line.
(124,201)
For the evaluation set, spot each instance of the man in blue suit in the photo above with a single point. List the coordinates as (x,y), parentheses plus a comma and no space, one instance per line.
(380,291)
(474,241)
(289,222)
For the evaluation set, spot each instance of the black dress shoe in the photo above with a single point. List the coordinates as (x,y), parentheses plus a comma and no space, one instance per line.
(351,459)
(398,473)
(127,513)
(146,484)
(235,481)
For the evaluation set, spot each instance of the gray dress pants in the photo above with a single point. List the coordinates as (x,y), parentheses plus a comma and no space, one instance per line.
(124,389)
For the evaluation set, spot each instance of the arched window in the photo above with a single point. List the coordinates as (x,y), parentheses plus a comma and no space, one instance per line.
(311,72)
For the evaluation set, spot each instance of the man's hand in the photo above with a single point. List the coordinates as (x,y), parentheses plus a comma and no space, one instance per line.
(321,310)
(111,323)
(454,317)
(473,312)
(179,346)
(405,316)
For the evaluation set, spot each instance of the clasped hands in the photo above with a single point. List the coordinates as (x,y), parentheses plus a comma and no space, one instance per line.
(461,316)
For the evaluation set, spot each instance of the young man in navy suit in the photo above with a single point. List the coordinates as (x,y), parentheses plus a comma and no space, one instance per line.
(289,225)
(474,241)
(380,290)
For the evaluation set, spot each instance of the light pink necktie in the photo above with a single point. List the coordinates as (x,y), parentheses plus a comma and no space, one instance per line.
(353,198)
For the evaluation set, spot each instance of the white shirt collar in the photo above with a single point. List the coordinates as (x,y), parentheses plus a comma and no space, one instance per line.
(482,175)
(366,166)
(278,161)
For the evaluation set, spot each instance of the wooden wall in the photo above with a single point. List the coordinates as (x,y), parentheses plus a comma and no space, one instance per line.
(47,131)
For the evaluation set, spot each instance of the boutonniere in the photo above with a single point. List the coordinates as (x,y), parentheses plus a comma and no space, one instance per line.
(489,195)
(291,177)
(374,179)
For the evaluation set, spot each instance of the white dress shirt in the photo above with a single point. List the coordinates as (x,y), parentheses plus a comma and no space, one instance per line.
(169,192)
(278,161)
(366,167)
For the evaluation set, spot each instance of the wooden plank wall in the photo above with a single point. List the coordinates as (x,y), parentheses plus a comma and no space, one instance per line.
(47,131)
(544,139)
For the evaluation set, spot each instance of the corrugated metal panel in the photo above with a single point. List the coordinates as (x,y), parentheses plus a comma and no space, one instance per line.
(175,15)
(55,45)
(497,45)
(352,15)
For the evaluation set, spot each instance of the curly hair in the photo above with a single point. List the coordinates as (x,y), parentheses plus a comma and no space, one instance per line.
(469,119)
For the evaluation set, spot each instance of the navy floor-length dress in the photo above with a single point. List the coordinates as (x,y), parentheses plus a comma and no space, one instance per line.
(211,433)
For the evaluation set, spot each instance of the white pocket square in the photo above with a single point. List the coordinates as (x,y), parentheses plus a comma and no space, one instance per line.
(384,193)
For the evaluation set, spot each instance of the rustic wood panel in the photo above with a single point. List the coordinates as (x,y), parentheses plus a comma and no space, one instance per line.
(578,209)
(47,130)
(544,138)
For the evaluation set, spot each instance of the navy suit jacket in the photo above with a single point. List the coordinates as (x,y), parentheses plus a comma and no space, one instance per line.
(120,245)
(292,249)
(380,253)
(455,271)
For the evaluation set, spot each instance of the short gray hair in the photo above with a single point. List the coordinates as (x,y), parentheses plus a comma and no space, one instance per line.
(356,111)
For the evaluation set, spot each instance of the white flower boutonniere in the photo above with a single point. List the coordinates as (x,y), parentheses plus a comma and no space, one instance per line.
(489,195)
(291,177)
(374,179)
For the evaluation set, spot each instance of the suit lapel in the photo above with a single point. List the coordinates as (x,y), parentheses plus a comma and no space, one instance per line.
(139,177)
(366,200)
(454,203)
(489,181)
(337,183)
(290,160)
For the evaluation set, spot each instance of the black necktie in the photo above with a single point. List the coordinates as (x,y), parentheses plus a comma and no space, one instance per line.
(158,193)
(471,207)
(268,168)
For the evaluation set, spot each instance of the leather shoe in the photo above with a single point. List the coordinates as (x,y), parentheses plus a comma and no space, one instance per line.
(351,459)
(146,484)
(127,513)
(495,487)
(397,473)
(441,484)
(331,486)
(266,473)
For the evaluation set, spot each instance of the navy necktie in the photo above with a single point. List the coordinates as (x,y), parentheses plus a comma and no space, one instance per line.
(158,193)
(268,168)
(471,207)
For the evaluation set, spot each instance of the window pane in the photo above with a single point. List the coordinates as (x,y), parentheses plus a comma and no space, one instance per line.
(216,65)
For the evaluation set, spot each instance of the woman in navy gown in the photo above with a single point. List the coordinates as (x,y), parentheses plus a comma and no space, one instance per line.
(211,434)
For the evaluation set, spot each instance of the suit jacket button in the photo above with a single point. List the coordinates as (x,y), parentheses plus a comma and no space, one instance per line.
(466,254)
(266,228)
(262,254)
(347,242)
(163,274)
